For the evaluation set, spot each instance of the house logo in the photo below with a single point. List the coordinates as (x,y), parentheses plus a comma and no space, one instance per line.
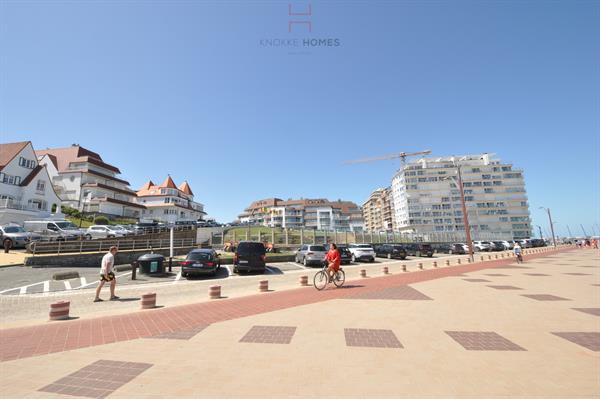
(302,34)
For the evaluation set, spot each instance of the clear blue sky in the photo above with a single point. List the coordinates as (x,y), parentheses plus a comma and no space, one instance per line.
(186,88)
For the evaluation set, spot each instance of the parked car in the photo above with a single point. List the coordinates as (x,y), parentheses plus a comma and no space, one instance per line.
(102,231)
(537,242)
(311,255)
(122,229)
(145,228)
(362,252)
(249,256)
(497,245)
(17,236)
(442,248)
(57,230)
(419,249)
(525,243)
(459,249)
(507,244)
(390,251)
(482,246)
(201,262)
(345,255)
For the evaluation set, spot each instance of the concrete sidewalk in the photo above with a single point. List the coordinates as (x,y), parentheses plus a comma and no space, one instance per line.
(500,330)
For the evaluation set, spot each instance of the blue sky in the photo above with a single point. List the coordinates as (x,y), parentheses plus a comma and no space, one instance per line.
(187,88)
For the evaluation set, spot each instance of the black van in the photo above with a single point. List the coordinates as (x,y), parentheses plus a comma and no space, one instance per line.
(390,251)
(249,256)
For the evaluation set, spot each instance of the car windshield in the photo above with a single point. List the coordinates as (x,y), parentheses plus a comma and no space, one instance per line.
(363,246)
(425,246)
(318,248)
(66,225)
(250,247)
(14,229)
(199,256)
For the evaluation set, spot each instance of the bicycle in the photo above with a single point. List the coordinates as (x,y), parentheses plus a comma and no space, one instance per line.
(321,279)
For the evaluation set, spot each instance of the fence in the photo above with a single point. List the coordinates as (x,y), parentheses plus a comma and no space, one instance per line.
(290,237)
(58,247)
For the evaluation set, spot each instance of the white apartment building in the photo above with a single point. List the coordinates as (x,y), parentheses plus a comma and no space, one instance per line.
(378,211)
(427,198)
(26,190)
(169,203)
(319,214)
(85,182)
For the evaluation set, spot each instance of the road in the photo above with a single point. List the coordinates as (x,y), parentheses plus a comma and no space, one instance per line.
(20,280)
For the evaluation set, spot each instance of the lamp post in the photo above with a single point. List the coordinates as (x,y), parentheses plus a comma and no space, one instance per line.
(464,210)
(551,226)
(540,229)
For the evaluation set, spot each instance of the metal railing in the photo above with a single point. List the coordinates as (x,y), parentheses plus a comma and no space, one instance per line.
(93,246)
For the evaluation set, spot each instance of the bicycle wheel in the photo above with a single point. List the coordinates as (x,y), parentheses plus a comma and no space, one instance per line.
(320,280)
(339,278)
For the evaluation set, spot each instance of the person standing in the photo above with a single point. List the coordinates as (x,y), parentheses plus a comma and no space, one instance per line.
(518,252)
(107,274)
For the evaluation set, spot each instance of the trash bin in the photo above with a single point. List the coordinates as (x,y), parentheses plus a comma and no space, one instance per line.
(152,264)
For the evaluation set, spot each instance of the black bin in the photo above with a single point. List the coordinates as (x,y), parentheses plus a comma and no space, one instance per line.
(152,264)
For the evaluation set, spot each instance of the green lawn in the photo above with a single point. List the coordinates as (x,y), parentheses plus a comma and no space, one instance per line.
(85,223)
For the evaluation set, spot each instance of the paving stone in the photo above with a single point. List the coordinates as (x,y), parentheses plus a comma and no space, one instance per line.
(371,338)
(592,311)
(545,297)
(590,340)
(98,379)
(404,292)
(476,280)
(269,335)
(504,287)
(537,274)
(483,341)
(182,334)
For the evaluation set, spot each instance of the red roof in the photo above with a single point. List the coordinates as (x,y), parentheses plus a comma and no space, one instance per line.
(75,153)
(185,187)
(9,151)
(168,183)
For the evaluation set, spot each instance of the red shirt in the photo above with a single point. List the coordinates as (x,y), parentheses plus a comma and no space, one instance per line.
(333,256)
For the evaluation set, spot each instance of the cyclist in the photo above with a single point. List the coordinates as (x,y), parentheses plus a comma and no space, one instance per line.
(518,253)
(333,261)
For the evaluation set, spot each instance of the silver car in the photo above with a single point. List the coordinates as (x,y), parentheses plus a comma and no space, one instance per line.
(101,231)
(17,236)
(362,252)
(311,255)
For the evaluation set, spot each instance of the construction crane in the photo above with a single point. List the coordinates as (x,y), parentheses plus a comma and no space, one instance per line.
(401,155)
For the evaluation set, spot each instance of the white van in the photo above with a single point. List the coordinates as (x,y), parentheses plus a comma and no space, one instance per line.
(59,230)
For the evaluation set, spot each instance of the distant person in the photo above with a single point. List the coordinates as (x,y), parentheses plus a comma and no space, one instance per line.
(518,252)
(333,261)
(107,274)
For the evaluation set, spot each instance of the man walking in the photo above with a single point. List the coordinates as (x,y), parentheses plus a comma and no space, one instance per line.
(106,274)
(518,253)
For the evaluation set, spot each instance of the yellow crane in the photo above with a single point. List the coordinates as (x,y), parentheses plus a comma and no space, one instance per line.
(401,155)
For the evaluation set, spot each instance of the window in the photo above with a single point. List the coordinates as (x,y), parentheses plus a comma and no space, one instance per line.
(475,170)
(41,185)
(488,190)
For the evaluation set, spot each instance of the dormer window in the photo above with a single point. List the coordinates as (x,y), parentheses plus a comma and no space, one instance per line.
(27,163)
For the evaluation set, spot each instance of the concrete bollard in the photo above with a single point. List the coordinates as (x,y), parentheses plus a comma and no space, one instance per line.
(149,301)
(134,266)
(363,273)
(496,256)
(403,268)
(434,263)
(489,257)
(385,270)
(469,260)
(214,291)
(447,263)
(481,258)
(263,285)
(303,280)
(421,265)
(59,310)
(458,261)
(502,256)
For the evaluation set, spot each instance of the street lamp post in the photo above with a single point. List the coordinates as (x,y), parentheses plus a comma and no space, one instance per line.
(540,229)
(551,225)
(465,215)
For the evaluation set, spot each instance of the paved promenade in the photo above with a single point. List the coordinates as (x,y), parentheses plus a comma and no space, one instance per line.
(491,329)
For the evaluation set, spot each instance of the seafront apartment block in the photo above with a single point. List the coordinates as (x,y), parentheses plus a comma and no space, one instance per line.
(427,199)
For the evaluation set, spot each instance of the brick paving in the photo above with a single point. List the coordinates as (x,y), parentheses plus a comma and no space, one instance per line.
(590,340)
(371,338)
(97,380)
(182,334)
(22,342)
(483,341)
(404,292)
(545,297)
(592,311)
(504,287)
(269,335)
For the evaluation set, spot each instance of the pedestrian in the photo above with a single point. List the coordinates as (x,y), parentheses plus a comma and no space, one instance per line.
(518,252)
(107,275)
(595,243)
